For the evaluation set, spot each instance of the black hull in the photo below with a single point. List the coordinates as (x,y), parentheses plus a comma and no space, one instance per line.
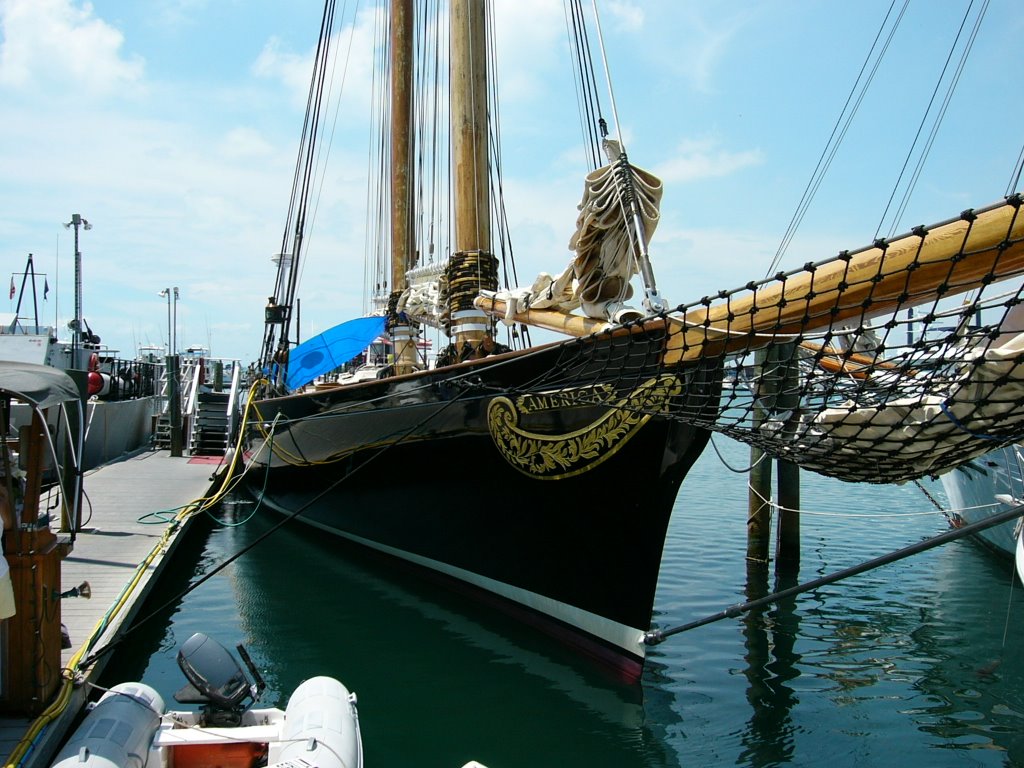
(425,468)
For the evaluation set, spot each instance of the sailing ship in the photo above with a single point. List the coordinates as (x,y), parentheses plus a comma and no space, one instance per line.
(542,477)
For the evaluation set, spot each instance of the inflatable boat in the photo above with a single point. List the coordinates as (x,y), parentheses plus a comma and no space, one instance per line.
(130,728)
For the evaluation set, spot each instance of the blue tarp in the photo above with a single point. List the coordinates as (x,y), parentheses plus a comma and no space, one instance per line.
(331,349)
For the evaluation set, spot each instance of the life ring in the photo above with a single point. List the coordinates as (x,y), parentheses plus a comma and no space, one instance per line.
(94,362)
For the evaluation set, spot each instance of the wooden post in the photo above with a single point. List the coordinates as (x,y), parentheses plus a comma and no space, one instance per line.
(70,507)
(174,403)
(759,486)
(787,553)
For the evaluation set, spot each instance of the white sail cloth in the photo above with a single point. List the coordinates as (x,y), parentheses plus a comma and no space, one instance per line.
(423,299)
(926,428)
(598,277)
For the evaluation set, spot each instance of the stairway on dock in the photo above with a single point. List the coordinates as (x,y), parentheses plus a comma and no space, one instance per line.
(211,425)
(208,411)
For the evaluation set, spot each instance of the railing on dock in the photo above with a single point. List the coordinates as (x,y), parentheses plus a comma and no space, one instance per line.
(127,379)
(209,410)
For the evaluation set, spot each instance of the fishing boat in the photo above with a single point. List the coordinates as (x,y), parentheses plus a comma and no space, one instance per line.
(128,400)
(122,394)
(129,724)
(542,477)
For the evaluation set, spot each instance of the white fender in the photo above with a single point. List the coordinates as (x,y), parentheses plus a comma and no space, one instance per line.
(322,725)
(117,732)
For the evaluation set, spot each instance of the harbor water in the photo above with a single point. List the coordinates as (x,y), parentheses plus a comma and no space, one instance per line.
(918,663)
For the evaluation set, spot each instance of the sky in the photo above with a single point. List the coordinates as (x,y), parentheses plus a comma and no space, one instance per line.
(172,126)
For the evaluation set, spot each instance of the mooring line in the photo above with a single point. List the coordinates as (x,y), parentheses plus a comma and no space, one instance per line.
(95,655)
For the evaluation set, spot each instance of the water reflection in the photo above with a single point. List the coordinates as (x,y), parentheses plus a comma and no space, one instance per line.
(911,655)
(437,675)
(772,661)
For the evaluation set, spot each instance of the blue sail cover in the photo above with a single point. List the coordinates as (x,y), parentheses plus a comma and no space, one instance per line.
(331,349)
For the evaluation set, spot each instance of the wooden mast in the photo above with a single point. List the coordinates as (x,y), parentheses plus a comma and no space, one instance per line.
(402,142)
(468,83)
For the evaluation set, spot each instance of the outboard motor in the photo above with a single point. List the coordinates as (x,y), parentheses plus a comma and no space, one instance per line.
(216,681)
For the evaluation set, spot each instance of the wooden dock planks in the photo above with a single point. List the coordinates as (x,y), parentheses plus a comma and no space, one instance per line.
(122,498)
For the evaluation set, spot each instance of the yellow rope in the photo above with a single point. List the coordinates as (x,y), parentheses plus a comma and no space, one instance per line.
(70,672)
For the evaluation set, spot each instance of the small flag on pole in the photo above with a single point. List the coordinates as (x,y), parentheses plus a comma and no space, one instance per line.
(12,288)
(46,288)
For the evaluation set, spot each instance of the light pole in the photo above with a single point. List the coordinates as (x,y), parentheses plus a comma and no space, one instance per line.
(76,336)
(166,292)
(175,320)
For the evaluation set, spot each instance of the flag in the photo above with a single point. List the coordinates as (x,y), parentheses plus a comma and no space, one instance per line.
(12,288)
(46,288)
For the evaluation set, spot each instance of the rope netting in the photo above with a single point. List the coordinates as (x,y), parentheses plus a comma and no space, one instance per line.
(883,365)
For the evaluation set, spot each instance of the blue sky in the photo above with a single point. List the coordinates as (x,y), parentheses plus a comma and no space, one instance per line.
(172,125)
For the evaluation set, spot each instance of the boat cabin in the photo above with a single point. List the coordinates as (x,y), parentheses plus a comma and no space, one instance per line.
(38,472)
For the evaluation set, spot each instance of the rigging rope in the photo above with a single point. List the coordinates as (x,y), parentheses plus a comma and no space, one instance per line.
(299,201)
(1011,186)
(937,122)
(842,125)
(592,124)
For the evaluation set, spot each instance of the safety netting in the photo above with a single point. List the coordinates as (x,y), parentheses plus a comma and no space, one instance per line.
(886,364)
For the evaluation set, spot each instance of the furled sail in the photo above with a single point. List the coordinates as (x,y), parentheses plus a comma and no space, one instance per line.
(605,244)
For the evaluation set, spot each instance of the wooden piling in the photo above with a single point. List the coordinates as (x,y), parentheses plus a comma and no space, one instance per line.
(759,485)
(787,552)
(174,404)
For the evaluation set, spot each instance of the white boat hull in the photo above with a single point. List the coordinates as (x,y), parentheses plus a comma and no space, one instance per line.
(983,487)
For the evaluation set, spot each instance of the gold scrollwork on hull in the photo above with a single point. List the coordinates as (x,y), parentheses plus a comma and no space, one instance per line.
(554,457)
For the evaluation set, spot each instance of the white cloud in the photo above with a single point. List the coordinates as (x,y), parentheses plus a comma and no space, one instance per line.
(350,66)
(58,41)
(530,47)
(292,69)
(704,159)
(178,13)
(628,15)
(245,142)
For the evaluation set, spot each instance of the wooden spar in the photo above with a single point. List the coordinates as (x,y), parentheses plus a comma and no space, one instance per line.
(470,173)
(959,254)
(857,365)
(403,336)
(908,272)
(469,126)
(549,319)
(401,142)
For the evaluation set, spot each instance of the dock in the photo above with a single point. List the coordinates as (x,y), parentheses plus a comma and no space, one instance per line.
(122,549)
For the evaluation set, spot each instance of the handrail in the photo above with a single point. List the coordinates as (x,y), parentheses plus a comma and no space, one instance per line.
(232,406)
(193,390)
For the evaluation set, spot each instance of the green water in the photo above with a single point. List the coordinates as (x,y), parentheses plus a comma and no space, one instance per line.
(905,665)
